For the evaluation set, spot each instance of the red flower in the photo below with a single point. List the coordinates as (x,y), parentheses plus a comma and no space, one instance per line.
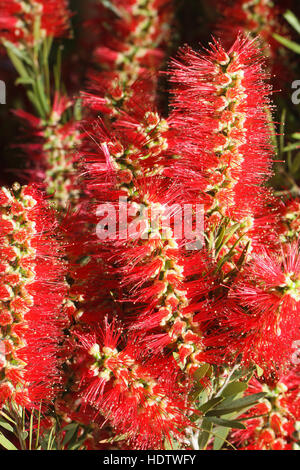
(221,128)
(142,400)
(52,150)
(259,18)
(290,220)
(272,424)
(265,320)
(31,293)
(17,19)
(128,40)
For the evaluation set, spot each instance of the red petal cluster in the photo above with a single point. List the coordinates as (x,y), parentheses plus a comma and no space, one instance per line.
(142,400)
(17,19)
(51,149)
(272,424)
(263,319)
(31,293)
(259,19)
(128,43)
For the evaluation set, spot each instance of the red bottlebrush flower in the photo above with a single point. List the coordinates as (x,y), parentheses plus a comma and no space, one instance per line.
(290,220)
(31,293)
(272,424)
(140,399)
(52,151)
(258,18)
(18,18)
(265,321)
(220,135)
(220,126)
(128,43)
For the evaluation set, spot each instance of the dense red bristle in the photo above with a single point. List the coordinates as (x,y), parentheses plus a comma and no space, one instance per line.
(17,19)
(32,291)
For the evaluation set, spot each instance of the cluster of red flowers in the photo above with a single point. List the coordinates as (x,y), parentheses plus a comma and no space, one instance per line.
(51,151)
(128,47)
(272,424)
(290,220)
(213,150)
(112,326)
(261,19)
(18,20)
(32,289)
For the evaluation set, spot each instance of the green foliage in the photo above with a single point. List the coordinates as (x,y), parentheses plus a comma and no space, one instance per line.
(219,405)
(20,429)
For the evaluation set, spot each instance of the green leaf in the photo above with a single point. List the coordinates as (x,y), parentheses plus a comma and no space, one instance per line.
(231,231)
(221,434)
(6,426)
(171,444)
(19,53)
(290,147)
(234,388)
(243,256)
(293,46)
(77,109)
(259,371)
(24,81)
(201,372)
(204,436)
(226,423)
(35,102)
(70,433)
(6,443)
(8,417)
(24,435)
(292,20)
(210,404)
(229,406)
(18,64)
(40,89)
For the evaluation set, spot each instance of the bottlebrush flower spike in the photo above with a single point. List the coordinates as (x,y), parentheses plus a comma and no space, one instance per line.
(52,150)
(219,101)
(142,400)
(259,18)
(219,131)
(290,221)
(31,293)
(129,40)
(272,424)
(18,20)
(266,324)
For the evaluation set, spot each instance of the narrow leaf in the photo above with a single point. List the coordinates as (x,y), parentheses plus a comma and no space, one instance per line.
(204,436)
(234,388)
(221,434)
(226,423)
(6,443)
(6,426)
(210,404)
(292,20)
(287,43)
(236,405)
